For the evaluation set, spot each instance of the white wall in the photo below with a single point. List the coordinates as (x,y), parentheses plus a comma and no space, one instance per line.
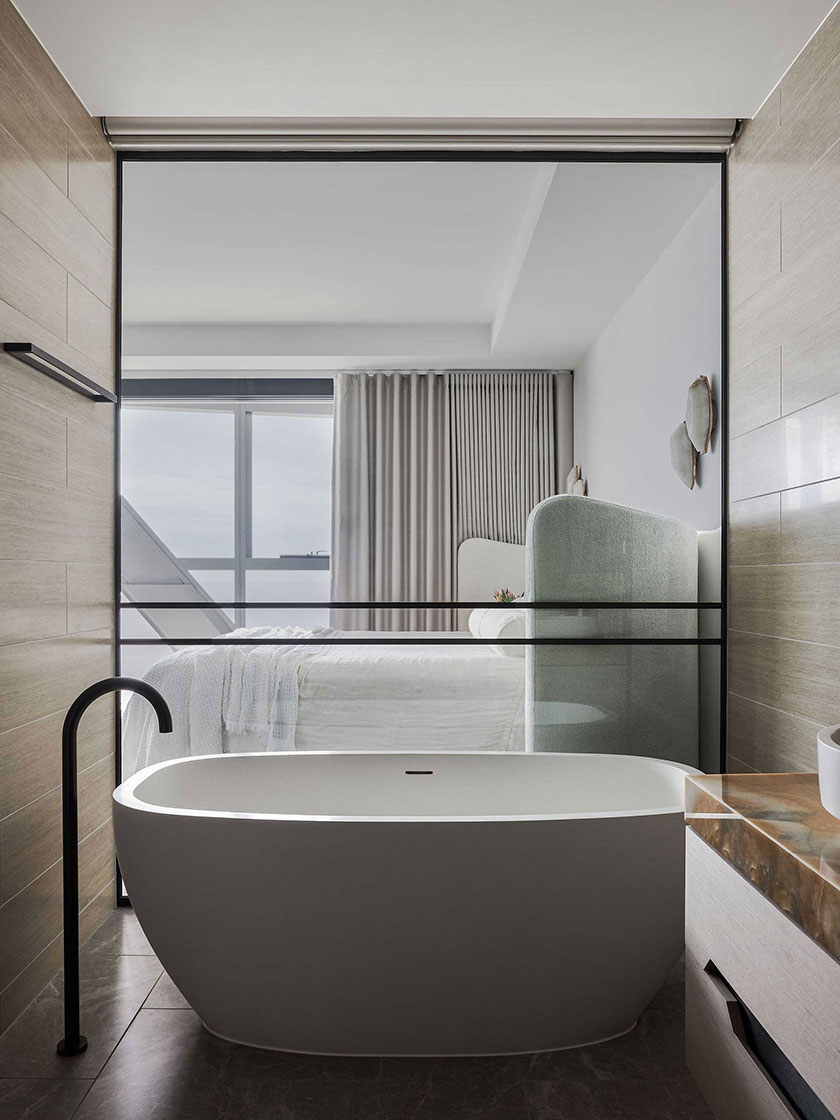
(630,386)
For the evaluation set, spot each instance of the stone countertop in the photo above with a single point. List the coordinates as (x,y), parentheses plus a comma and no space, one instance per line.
(773,829)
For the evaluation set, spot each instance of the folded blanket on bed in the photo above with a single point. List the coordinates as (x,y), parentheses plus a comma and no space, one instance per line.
(216,689)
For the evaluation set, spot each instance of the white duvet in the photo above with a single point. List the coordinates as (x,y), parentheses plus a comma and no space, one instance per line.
(328,697)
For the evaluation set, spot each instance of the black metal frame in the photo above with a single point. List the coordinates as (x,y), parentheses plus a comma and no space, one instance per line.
(451,156)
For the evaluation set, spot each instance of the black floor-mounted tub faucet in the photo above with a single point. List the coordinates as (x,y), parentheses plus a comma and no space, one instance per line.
(74,1042)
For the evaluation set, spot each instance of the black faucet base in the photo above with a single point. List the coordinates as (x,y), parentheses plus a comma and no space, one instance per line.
(69,1048)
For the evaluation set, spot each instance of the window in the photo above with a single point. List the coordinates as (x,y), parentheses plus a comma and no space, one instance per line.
(228,502)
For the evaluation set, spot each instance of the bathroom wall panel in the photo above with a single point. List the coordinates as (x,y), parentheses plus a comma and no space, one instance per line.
(755,668)
(57,222)
(811,63)
(43,211)
(17,995)
(48,523)
(88,326)
(18,378)
(810,524)
(796,450)
(30,755)
(33,600)
(90,596)
(32,440)
(45,676)
(92,187)
(809,681)
(33,915)
(29,117)
(766,739)
(755,530)
(784,641)
(755,396)
(798,601)
(31,280)
(30,839)
(759,256)
(90,459)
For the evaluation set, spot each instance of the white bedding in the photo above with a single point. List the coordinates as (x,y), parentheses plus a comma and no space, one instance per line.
(329,697)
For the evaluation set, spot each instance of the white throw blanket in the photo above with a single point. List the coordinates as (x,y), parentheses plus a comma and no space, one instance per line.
(216,689)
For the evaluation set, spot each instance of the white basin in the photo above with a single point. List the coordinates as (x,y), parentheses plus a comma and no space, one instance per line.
(828,762)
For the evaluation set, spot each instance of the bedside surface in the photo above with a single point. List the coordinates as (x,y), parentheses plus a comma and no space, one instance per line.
(773,829)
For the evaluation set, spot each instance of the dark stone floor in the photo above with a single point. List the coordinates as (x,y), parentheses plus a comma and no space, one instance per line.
(150,1059)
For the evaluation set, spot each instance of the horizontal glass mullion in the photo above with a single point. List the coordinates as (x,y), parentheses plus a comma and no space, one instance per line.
(374,604)
(420,640)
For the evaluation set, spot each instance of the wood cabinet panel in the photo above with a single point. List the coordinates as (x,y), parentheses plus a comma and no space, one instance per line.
(789,983)
(733,1084)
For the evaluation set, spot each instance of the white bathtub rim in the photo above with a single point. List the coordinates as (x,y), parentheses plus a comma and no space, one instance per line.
(124,794)
(469,1054)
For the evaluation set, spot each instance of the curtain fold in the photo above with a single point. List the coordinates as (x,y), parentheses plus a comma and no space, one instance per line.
(503,451)
(421,462)
(392,499)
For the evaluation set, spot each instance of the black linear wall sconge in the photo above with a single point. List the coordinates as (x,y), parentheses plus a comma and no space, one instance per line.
(74,1042)
(33,356)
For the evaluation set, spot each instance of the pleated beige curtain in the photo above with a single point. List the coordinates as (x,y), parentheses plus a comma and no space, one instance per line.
(503,451)
(421,462)
(392,499)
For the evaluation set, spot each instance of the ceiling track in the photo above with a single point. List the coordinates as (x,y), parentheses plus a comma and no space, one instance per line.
(394,134)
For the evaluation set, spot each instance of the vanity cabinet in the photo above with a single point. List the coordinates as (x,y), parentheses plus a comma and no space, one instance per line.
(762,996)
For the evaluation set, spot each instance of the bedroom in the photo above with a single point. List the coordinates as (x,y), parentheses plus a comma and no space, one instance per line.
(351,381)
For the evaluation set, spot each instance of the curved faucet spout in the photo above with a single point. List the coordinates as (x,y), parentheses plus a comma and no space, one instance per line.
(74,1042)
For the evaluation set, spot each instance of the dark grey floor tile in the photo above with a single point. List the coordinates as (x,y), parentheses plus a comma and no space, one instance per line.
(477,1070)
(663,1031)
(40,1099)
(284,1066)
(588,1100)
(166,996)
(453,1088)
(270,1098)
(611,1081)
(167,1067)
(453,1098)
(120,933)
(113,989)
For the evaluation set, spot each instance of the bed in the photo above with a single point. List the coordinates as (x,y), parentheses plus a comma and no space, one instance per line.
(344,697)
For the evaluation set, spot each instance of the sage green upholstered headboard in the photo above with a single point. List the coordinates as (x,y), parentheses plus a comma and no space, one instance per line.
(621,699)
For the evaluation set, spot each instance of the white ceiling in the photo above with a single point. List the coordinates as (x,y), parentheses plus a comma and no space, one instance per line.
(324,265)
(438,58)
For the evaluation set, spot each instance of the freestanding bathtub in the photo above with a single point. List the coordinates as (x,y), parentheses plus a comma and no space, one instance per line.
(428,904)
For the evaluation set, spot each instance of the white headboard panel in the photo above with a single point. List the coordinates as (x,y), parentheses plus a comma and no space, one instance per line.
(483,566)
